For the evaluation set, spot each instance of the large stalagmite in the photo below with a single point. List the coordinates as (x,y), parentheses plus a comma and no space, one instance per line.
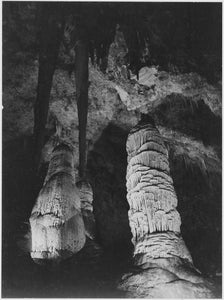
(56,221)
(151,197)
(164,267)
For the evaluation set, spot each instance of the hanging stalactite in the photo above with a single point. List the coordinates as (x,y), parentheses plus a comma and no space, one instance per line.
(81,77)
(51,29)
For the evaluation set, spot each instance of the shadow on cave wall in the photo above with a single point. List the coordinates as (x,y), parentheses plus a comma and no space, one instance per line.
(107,163)
(191,118)
(199,194)
(200,206)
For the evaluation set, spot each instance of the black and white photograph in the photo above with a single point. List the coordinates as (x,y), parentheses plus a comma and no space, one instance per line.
(111,149)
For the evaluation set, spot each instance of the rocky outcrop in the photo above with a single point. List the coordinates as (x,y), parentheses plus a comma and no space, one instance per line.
(164,264)
(153,86)
(56,221)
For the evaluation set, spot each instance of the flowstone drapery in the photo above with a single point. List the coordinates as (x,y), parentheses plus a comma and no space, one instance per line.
(163,264)
(57,226)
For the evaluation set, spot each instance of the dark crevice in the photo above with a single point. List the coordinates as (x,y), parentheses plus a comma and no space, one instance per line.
(199,123)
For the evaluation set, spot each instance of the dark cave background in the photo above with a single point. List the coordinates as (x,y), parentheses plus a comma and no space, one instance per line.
(181,38)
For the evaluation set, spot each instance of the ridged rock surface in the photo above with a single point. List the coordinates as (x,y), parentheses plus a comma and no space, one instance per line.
(151,196)
(86,196)
(164,267)
(56,221)
(160,283)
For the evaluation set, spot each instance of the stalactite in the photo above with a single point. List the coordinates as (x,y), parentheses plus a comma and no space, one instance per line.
(51,25)
(56,221)
(81,77)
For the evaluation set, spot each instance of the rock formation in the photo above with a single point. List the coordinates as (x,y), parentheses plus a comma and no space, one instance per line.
(179,83)
(86,196)
(56,221)
(164,267)
(92,251)
(153,86)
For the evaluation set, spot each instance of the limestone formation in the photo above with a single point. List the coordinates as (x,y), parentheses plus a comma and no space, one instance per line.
(86,196)
(56,221)
(153,86)
(164,267)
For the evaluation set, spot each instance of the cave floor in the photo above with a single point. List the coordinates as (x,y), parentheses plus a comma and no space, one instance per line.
(76,279)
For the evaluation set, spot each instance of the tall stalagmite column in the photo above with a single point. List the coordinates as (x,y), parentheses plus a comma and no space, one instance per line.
(57,226)
(153,217)
(164,267)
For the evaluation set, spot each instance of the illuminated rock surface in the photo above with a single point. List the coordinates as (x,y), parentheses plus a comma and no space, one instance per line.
(180,86)
(57,226)
(164,267)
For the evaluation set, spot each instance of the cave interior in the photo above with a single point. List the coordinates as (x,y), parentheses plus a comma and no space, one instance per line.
(158,59)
